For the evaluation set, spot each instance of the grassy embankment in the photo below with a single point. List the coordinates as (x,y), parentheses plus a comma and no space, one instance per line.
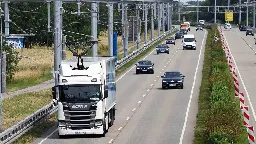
(46,95)
(219,119)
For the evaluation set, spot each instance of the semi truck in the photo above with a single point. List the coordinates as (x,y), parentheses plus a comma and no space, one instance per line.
(85,94)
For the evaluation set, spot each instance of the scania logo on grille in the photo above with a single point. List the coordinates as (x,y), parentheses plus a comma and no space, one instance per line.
(79,106)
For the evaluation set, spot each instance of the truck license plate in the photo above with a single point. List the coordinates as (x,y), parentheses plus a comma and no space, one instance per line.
(144,70)
(172,84)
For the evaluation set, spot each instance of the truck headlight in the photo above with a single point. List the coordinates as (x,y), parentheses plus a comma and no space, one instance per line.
(150,67)
(163,81)
(98,122)
(167,49)
(180,81)
(138,68)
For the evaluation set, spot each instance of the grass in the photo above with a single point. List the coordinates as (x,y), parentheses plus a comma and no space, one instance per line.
(37,62)
(45,125)
(219,118)
(19,107)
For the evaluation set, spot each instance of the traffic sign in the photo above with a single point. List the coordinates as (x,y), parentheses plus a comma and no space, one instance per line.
(229,16)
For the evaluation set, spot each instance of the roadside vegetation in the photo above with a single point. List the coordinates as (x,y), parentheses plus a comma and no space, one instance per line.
(219,119)
(50,122)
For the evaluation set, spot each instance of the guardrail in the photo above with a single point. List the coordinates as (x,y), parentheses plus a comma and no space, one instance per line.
(14,132)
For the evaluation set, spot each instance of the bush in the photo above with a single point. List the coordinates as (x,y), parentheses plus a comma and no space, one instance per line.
(219,118)
(12,61)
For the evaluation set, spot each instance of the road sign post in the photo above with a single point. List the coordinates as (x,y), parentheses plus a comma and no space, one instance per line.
(229,16)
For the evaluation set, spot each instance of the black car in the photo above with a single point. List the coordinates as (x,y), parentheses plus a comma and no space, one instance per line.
(249,32)
(184,31)
(162,48)
(170,40)
(144,66)
(179,35)
(172,79)
(199,27)
(242,28)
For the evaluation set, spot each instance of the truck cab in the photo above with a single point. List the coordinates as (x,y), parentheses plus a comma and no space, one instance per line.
(189,42)
(187,23)
(184,27)
(85,95)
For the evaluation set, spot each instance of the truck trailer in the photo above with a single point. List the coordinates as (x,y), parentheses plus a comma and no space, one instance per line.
(85,94)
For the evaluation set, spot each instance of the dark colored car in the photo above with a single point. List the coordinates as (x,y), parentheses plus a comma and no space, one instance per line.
(242,28)
(184,31)
(249,32)
(170,40)
(172,79)
(162,48)
(144,66)
(179,35)
(199,27)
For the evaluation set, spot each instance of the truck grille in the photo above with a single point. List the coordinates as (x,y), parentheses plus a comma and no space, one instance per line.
(80,119)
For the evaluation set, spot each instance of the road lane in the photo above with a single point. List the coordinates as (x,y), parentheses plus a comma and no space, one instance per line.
(161,116)
(242,51)
(130,91)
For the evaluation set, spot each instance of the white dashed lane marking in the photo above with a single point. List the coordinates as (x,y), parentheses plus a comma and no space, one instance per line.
(110,141)
(152,84)
(147,89)
(139,102)
(127,118)
(144,95)
(134,109)
(120,128)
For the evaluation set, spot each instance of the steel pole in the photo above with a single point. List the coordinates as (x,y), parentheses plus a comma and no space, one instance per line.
(159,19)
(253,13)
(49,16)
(228,4)
(197,12)
(215,11)
(125,31)
(240,12)
(247,13)
(168,16)
(94,25)
(146,24)
(163,18)
(152,22)
(171,16)
(6,19)
(138,26)
(179,11)
(110,29)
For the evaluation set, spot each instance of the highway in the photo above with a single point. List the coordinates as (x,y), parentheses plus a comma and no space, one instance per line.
(146,114)
(243,51)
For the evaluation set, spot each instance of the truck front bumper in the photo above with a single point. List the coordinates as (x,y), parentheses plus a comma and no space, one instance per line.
(68,131)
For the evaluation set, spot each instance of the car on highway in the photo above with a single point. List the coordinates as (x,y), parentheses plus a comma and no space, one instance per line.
(144,66)
(249,32)
(184,31)
(179,35)
(242,28)
(172,79)
(170,40)
(199,27)
(227,26)
(162,48)
(189,42)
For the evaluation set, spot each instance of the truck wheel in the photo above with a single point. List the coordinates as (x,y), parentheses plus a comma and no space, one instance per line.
(157,53)
(137,72)
(167,52)
(112,117)
(181,87)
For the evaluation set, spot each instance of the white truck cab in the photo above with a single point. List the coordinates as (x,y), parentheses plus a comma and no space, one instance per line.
(201,22)
(189,42)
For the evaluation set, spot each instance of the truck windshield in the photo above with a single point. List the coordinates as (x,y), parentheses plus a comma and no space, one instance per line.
(189,39)
(74,93)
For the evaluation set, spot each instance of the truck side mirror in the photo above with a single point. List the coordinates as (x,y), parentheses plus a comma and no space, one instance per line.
(153,64)
(195,40)
(54,92)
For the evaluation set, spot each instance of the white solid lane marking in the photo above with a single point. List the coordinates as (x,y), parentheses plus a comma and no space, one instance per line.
(139,102)
(127,118)
(48,136)
(134,109)
(120,128)
(110,141)
(245,89)
(144,95)
(192,91)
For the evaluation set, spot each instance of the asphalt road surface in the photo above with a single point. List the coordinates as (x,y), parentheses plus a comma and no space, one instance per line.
(243,51)
(146,114)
